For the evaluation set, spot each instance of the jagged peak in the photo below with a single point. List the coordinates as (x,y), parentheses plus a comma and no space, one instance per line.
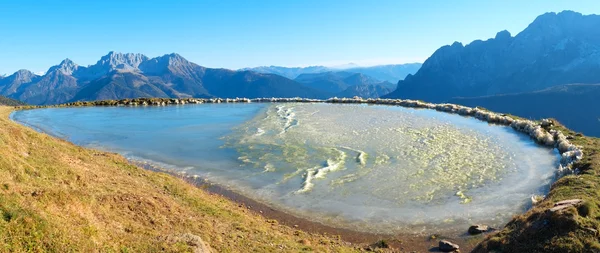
(114,54)
(67,61)
(504,34)
(549,19)
(116,60)
(173,57)
(551,15)
(172,61)
(24,73)
(457,44)
(66,66)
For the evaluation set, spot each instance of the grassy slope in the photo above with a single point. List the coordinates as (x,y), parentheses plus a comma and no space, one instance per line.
(55,196)
(576,229)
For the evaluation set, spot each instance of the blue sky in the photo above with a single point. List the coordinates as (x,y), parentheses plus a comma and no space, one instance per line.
(233,34)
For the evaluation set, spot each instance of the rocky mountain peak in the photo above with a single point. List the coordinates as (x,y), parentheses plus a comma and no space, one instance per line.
(565,23)
(553,18)
(115,60)
(503,35)
(176,59)
(173,62)
(23,74)
(67,67)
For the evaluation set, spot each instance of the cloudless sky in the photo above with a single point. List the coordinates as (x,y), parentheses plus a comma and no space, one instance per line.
(36,34)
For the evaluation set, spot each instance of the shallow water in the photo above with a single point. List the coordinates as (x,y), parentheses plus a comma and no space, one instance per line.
(370,168)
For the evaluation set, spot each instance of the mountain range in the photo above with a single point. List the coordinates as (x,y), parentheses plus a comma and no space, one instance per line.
(556,48)
(523,75)
(557,55)
(390,73)
(346,84)
(118,75)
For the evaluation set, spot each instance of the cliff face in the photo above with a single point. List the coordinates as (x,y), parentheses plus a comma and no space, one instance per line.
(555,49)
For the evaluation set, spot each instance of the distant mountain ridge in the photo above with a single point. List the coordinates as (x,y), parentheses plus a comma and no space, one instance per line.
(391,73)
(118,75)
(129,75)
(556,48)
(346,84)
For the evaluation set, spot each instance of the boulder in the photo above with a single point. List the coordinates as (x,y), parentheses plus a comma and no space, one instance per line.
(478,229)
(447,246)
(547,123)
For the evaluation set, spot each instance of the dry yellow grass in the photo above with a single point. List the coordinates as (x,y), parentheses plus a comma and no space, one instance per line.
(58,197)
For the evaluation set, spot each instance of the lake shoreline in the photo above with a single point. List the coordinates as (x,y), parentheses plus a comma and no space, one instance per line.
(545,132)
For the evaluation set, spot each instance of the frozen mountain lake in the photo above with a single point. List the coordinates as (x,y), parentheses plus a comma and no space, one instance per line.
(369,168)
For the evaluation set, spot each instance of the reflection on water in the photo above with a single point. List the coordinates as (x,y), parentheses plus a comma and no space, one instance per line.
(365,167)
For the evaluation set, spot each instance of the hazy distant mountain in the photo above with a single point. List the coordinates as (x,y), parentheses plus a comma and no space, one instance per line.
(555,49)
(365,91)
(575,105)
(290,73)
(346,84)
(390,73)
(118,75)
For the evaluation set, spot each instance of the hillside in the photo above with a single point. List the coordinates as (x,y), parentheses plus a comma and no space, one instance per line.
(117,76)
(576,105)
(58,197)
(10,102)
(556,48)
